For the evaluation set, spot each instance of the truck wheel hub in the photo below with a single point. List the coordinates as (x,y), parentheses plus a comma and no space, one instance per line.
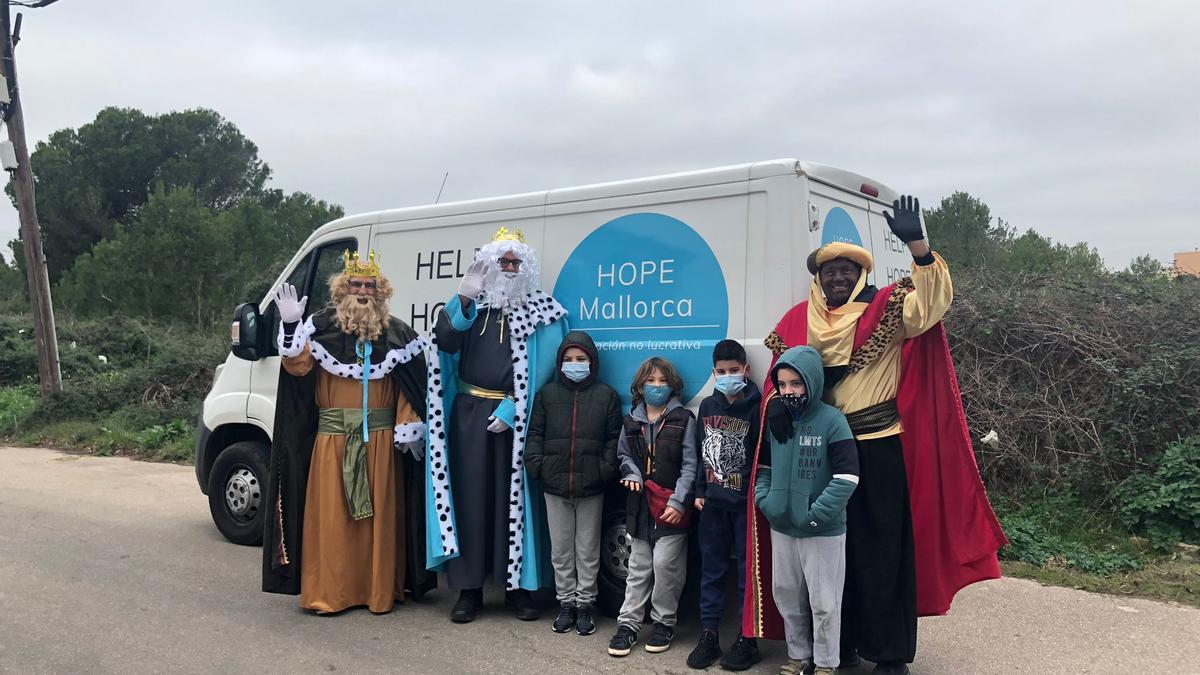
(242,493)
(616,547)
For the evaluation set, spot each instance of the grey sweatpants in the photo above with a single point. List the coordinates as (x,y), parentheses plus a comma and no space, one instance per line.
(656,573)
(807,575)
(575,546)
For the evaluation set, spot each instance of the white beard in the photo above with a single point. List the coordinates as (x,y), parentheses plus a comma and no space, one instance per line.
(501,290)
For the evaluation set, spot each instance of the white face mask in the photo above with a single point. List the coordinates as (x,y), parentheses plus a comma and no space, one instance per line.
(576,371)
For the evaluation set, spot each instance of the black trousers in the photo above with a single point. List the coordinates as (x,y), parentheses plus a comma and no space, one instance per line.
(879,605)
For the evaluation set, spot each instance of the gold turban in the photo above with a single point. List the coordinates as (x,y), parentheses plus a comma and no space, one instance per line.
(840,249)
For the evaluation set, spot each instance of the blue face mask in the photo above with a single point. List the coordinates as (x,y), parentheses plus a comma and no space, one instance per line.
(730,385)
(576,371)
(656,395)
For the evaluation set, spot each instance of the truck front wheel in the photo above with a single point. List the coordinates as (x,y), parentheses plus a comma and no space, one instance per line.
(236,492)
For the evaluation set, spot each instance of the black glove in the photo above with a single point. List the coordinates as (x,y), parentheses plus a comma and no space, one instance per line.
(906,224)
(779,418)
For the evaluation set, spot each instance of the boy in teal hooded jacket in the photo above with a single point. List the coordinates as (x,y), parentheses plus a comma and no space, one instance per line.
(807,470)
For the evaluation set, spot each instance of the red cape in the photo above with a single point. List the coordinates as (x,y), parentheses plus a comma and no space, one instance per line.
(955,533)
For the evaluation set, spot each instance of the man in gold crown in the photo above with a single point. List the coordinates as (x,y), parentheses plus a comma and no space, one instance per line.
(493,348)
(346,483)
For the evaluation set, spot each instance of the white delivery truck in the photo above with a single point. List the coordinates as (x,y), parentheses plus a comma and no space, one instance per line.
(667,265)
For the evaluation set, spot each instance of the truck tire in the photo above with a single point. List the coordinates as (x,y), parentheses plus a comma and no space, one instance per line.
(615,542)
(236,492)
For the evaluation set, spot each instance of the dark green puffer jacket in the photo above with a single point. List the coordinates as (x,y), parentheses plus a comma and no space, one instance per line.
(572,443)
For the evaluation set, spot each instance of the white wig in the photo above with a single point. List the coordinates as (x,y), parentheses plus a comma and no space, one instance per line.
(500,290)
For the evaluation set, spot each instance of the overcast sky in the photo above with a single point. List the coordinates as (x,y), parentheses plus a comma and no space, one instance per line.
(1078,119)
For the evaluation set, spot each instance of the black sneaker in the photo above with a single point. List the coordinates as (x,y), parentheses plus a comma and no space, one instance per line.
(565,619)
(707,651)
(660,638)
(622,643)
(849,659)
(584,625)
(521,604)
(742,655)
(891,668)
(469,603)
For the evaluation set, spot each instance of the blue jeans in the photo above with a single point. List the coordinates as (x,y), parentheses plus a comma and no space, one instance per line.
(720,531)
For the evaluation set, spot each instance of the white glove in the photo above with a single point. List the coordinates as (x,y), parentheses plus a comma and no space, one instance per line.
(415,449)
(497,426)
(291,310)
(472,282)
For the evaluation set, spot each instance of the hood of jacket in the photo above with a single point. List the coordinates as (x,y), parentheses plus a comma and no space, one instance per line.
(578,338)
(806,361)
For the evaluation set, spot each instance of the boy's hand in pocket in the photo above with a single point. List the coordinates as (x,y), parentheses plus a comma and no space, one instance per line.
(632,485)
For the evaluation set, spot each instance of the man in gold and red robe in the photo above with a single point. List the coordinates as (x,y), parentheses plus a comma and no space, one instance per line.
(919,525)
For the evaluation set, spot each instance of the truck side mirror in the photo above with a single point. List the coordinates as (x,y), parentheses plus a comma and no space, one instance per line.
(246,333)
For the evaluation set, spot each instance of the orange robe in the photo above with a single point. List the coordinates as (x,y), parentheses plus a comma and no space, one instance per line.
(345,562)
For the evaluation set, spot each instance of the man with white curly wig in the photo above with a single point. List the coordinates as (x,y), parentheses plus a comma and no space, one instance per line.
(493,347)
(510,273)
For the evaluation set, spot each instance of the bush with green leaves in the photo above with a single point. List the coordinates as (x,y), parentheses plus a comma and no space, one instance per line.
(167,384)
(16,405)
(18,353)
(1164,504)
(1061,531)
(159,435)
(1086,380)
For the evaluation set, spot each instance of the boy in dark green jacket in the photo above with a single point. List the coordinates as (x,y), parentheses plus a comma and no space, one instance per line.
(572,450)
(807,470)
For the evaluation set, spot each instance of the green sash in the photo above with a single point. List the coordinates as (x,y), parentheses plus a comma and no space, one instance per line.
(348,422)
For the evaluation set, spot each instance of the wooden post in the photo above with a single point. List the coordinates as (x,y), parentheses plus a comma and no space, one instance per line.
(36,276)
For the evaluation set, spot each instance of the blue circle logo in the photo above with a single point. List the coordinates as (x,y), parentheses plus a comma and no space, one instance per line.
(647,285)
(839,226)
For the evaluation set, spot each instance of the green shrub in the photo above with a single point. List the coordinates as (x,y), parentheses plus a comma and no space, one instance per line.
(179,450)
(141,399)
(1086,380)
(159,435)
(18,354)
(166,385)
(16,403)
(1060,532)
(1165,504)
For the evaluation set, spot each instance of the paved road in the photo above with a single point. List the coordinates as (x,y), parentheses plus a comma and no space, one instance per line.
(110,565)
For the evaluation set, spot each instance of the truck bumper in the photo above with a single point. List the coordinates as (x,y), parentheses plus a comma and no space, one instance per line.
(203,433)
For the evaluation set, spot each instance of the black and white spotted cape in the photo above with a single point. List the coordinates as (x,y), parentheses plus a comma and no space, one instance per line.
(535,330)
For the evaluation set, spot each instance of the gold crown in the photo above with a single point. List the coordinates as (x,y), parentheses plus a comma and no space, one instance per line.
(355,266)
(505,234)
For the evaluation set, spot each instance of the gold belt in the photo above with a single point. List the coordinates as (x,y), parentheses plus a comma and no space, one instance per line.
(480,392)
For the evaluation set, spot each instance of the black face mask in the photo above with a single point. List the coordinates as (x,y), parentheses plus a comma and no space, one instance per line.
(795,402)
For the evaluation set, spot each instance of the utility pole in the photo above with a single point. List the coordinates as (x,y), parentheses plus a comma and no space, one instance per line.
(36,276)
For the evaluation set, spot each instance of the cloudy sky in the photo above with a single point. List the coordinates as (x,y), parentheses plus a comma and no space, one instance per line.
(1079,119)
